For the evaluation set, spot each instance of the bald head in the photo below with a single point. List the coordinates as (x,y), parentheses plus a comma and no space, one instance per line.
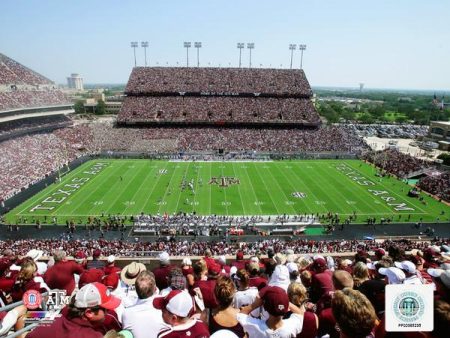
(342,279)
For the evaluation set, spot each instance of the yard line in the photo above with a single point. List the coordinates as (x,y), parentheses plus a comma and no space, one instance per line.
(154,185)
(239,190)
(279,186)
(268,192)
(253,189)
(179,195)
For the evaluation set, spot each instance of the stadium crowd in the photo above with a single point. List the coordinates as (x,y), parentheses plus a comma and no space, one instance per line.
(277,292)
(395,162)
(15,99)
(218,81)
(40,122)
(217,109)
(12,72)
(438,185)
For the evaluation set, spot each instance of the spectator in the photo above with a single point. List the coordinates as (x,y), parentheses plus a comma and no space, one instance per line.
(276,303)
(176,309)
(142,318)
(86,311)
(298,296)
(354,314)
(96,262)
(61,275)
(224,316)
(126,289)
(162,272)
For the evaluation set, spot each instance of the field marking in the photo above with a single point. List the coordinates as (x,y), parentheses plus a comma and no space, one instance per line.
(159,177)
(279,188)
(180,192)
(239,190)
(341,184)
(93,180)
(56,185)
(142,186)
(225,194)
(268,192)
(253,189)
(118,185)
(401,198)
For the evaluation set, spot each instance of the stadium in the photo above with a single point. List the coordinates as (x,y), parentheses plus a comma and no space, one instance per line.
(232,168)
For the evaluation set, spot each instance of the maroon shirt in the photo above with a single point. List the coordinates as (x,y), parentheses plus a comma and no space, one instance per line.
(110,269)
(161,275)
(321,283)
(309,329)
(207,289)
(60,276)
(327,324)
(67,328)
(192,329)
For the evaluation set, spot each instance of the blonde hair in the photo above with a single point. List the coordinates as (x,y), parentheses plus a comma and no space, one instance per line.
(243,277)
(297,293)
(360,273)
(353,312)
(27,270)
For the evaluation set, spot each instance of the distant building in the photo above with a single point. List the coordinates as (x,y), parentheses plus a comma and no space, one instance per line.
(439,132)
(75,81)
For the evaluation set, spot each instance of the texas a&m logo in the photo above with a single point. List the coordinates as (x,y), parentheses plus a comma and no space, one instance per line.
(224,181)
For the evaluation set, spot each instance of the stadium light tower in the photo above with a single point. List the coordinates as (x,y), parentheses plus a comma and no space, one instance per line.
(134,45)
(302,48)
(250,46)
(187,45)
(144,44)
(292,47)
(198,45)
(240,45)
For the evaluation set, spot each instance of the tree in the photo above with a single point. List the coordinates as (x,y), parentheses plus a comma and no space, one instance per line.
(79,107)
(101,108)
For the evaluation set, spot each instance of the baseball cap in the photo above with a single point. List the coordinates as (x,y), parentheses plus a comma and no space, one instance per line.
(443,275)
(320,263)
(177,302)
(96,294)
(214,269)
(380,252)
(239,255)
(96,253)
(111,259)
(187,261)
(407,266)
(276,300)
(35,254)
(292,267)
(280,258)
(394,275)
(254,259)
(80,255)
(164,257)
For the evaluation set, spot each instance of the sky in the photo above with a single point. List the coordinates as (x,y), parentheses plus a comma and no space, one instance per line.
(399,44)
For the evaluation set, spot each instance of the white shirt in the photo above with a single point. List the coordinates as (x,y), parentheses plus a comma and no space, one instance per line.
(244,298)
(413,280)
(143,320)
(257,328)
(127,293)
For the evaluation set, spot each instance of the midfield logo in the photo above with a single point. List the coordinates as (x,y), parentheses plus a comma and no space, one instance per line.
(224,181)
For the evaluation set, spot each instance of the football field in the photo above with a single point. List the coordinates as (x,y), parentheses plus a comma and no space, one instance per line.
(129,187)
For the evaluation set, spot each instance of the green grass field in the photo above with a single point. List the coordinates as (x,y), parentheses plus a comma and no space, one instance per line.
(129,187)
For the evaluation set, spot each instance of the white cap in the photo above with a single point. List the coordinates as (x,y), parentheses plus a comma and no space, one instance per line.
(292,267)
(223,334)
(443,275)
(279,258)
(35,254)
(96,294)
(111,258)
(394,275)
(177,302)
(164,257)
(187,261)
(407,266)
